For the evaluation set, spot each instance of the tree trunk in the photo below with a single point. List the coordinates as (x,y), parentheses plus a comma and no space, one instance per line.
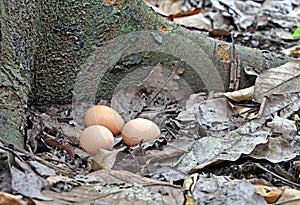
(17,45)
(45,44)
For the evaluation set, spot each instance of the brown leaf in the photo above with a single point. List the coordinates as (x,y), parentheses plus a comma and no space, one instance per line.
(185,13)
(9,199)
(241,95)
(271,194)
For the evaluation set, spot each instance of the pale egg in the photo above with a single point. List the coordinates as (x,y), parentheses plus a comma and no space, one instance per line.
(96,137)
(105,116)
(139,130)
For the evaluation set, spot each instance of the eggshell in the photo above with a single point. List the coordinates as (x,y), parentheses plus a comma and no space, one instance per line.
(105,116)
(96,137)
(139,129)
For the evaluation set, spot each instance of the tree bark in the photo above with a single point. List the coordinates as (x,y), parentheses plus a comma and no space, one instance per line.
(17,43)
(45,44)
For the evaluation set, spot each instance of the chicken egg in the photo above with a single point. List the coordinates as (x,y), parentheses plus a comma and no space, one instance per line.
(138,130)
(96,137)
(105,116)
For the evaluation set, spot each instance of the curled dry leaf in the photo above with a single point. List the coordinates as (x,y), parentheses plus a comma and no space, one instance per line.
(271,194)
(104,159)
(245,94)
(281,80)
(7,199)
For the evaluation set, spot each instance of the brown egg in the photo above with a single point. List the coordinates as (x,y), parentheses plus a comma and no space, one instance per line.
(96,137)
(105,116)
(139,129)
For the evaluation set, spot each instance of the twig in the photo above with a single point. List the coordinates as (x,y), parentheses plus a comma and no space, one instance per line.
(174,72)
(278,176)
(262,107)
(15,149)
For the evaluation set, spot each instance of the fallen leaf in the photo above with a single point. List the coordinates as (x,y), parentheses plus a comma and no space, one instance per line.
(212,189)
(119,187)
(283,126)
(209,111)
(28,184)
(9,199)
(195,21)
(281,80)
(290,197)
(194,99)
(103,159)
(43,170)
(211,150)
(240,95)
(276,150)
(170,6)
(282,104)
(270,193)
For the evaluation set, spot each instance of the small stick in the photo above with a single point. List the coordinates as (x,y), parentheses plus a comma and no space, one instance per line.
(278,176)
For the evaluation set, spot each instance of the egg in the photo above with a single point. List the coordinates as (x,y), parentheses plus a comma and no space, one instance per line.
(138,130)
(105,116)
(96,137)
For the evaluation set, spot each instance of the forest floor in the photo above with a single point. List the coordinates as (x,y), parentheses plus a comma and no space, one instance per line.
(239,147)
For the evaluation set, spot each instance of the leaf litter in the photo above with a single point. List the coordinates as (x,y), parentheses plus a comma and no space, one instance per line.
(232,138)
(208,133)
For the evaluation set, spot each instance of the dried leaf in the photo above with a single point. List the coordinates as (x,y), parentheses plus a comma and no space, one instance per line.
(160,89)
(168,174)
(119,187)
(185,13)
(281,80)
(194,99)
(211,111)
(271,194)
(210,150)
(142,159)
(170,6)
(28,184)
(52,180)
(211,189)
(195,21)
(241,95)
(276,150)
(128,102)
(286,104)
(104,159)
(9,199)
(283,126)
(43,170)
(290,197)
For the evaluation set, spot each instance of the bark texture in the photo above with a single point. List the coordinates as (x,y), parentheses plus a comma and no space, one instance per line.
(17,43)
(69,31)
